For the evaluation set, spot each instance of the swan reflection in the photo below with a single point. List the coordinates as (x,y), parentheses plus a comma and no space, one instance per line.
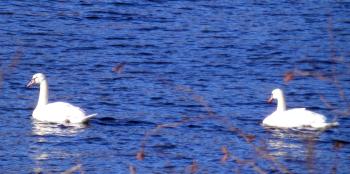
(51,142)
(291,143)
(43,128)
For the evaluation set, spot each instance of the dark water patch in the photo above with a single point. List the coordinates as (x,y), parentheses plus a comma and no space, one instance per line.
(123,122)
(166,104)
(101,65)
(190,105)
(157,62)
(107,119)
(175,29)
(294,160)
(138,122)
(94,140)
(87,48)
(316,61)
(219,6)
(141,72)
(6,13)
(159,135)
(164,146)
(43,33)
(86,3)
(93,17)
(341,142)
(121,45)
(156,98)
(193,126)
(143,4)
(65,143)
(128,4)
(144,54)
(109,13)
(120,38)
(148,29)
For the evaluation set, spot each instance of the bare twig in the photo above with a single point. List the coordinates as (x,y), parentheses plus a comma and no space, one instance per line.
(73,169)
(132,169)
(193,168)
(250,163)
(211,115)
(119,68)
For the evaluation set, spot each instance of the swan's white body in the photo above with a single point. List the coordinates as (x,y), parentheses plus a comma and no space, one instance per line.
(57,112)
(293,118)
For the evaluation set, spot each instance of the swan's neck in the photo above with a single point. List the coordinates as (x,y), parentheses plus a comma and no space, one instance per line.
(44,94)
(281,103)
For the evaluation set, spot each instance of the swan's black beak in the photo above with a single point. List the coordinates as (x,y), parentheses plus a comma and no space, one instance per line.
(30,83)
(270,99)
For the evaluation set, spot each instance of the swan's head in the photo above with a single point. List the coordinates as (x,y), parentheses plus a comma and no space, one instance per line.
(276,94)
(36,79)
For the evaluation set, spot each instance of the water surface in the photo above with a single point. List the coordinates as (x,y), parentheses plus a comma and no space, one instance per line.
(195,79)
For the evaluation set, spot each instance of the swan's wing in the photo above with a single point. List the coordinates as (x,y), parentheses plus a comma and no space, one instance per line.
(75,114)
(59,112)
(306,115)
(301,117)
(66,109)
(297,117)
(87,118)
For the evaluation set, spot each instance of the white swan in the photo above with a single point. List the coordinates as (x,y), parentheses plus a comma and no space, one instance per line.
(57,112)
(293,118)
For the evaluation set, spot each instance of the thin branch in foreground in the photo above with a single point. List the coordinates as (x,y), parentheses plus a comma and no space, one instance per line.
(337,145)
(140,155)
(250,163)
(249,139)
(225,155)
(132,169)
(291,75)
(74,169)
(119,68)
(193,168)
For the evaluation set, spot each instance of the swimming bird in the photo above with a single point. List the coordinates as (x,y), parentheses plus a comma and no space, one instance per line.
(293,118)
(57,112)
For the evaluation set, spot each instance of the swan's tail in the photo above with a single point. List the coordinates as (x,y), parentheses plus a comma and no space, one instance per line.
(333,124)
(87,118)
(324,125)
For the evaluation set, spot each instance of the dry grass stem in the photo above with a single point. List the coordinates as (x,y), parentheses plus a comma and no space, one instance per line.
(74,169)
(119,68)
(132,169)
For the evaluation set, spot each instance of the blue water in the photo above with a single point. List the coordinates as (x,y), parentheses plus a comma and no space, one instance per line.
(195,80)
